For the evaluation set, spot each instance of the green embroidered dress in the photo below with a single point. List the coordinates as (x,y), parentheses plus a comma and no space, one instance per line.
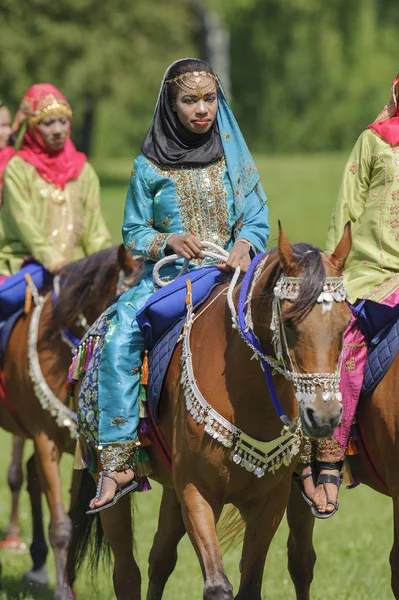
(39,220)
(369,199)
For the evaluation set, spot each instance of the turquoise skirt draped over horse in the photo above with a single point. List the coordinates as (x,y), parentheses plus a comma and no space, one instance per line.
(220,202)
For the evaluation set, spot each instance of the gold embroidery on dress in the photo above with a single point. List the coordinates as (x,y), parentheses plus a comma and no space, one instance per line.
(119,456)
(202,199)
(350,364)
(157,244)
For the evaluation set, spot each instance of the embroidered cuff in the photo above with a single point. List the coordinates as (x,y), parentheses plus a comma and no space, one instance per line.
(306,454)
(329,451)
(156,248)
(119,456)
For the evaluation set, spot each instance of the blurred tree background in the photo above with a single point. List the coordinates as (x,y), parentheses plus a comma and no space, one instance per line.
(306,75)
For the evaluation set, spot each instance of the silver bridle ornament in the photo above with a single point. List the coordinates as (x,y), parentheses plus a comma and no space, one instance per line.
(305,384)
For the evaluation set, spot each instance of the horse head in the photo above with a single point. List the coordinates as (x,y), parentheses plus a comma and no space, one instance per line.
(299,314)
(313,316)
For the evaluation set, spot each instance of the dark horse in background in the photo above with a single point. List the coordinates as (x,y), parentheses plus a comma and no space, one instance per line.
(376,465)
(85,289)
(203,478)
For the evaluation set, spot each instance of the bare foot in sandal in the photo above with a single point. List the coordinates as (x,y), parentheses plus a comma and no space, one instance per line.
(109,487)
(326,494)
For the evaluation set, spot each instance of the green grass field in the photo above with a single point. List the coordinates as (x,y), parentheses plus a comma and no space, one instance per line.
(353,547)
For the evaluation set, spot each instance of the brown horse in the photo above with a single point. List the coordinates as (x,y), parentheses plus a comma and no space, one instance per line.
(35,409)
(204,475)
(378,423)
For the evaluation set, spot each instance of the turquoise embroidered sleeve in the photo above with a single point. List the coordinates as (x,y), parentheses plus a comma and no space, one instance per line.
(255,226)
(138,232)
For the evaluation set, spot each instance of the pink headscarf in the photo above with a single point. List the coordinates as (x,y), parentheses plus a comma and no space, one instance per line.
(386,124)
(5,155)
(57,167)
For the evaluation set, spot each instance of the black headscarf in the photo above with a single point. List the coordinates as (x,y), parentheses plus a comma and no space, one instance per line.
(169,143)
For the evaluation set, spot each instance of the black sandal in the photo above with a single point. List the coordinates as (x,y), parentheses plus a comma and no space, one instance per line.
(299,479)
(322,479)
(121,490)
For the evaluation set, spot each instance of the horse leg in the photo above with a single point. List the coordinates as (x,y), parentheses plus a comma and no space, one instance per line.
(262,520)
(301,553)
(15,480)
(200,520)
(163,555)
(47,457)
(117,525)
(38,575)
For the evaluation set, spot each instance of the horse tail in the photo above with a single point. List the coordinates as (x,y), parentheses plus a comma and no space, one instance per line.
(230,529)
(87,539)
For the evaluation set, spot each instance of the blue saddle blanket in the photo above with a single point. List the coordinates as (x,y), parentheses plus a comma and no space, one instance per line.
(168,305)
(380,326)
(161,321)
(13,290)
(380,357)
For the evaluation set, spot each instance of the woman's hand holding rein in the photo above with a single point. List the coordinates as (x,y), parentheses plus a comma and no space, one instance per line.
(239,257)
(188,246)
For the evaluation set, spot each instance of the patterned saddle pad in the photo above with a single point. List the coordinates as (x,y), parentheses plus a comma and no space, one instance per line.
(161,321)
(380,358)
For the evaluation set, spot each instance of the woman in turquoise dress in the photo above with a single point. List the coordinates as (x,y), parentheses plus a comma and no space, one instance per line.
(194,180)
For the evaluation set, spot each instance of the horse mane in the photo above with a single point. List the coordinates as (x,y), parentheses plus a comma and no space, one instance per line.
(83,284)
(310,266)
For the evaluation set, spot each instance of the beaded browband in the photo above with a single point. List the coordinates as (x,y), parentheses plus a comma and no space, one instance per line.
(199,83)
(54,107)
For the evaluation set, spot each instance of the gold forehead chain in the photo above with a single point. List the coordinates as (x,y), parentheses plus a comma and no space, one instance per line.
(191,82)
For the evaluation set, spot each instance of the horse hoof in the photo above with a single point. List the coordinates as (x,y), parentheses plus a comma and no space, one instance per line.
(36,578)
(13,545)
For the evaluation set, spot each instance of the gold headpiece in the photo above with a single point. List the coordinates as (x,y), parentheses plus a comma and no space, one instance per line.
(193,83)
(55,107)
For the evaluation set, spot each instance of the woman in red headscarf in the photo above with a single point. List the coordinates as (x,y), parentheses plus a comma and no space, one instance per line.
(51,197)
(6,151)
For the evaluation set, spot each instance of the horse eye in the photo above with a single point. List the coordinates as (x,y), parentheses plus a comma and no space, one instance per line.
(289,324)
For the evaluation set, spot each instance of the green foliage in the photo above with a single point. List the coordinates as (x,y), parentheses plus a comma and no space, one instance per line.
(103,55)
(313,73)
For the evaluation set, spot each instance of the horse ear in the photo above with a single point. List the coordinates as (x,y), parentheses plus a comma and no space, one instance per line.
(341,252)
(286,252)
(122,257)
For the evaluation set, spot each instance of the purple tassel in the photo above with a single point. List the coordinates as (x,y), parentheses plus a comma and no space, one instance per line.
(353,485)
(70,379)
(89,352)
(144,426)
(144,484)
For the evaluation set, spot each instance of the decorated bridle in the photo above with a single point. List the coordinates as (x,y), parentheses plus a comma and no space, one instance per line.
(286,288)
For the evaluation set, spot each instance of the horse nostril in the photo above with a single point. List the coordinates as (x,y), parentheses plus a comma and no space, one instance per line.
(310,415)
